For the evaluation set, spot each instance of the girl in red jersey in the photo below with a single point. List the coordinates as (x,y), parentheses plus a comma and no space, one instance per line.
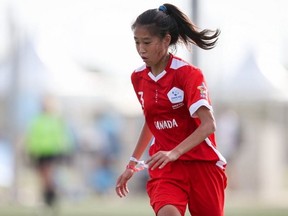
(185,167)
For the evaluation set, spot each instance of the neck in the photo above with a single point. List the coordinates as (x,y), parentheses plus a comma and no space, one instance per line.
(161,65)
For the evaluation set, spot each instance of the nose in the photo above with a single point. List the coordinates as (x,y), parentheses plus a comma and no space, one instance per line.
(141,49)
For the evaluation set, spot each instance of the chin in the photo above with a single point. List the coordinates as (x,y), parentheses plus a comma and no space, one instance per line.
(147,64)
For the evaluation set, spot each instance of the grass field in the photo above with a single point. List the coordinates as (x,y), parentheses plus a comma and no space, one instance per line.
(132,206)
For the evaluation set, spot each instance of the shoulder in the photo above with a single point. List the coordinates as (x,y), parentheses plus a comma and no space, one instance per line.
(183,68)
(140,69)
(178,63)
(138,72)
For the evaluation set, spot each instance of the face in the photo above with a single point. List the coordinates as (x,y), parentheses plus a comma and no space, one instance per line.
(152,49)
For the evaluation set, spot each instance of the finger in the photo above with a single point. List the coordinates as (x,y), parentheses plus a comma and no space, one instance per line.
(156,164)
(126,189)
(153,159)
(123,191)
(162,164)
(153,162)
(119,187)
(148,161)
(118,191)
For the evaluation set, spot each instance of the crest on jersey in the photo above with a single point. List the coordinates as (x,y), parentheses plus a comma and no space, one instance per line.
(175,95)
(203,90)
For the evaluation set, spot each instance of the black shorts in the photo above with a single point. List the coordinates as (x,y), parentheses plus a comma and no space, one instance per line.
(44,160)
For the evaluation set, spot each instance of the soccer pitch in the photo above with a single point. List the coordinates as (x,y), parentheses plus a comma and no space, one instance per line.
(131,206)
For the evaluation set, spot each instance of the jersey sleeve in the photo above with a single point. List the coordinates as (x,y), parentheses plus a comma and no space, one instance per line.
(136,83)
(196,92)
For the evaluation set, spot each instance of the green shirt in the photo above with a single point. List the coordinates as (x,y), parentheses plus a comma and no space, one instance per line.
(47,136)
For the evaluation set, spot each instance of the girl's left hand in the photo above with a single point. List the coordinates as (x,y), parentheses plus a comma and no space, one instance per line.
(161,158)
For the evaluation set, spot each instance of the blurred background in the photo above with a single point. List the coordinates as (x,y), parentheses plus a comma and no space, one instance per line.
(81,54)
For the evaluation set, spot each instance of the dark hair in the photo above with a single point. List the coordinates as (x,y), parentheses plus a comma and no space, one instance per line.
(168,19)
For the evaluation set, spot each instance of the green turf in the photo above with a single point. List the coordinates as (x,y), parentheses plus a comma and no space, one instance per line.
(123,207)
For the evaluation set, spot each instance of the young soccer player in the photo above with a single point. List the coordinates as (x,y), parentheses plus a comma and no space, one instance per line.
(185,167)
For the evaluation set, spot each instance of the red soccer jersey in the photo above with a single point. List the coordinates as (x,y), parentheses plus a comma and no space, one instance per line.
(169,102)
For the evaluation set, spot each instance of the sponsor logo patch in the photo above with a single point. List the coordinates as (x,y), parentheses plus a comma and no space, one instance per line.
(176,95)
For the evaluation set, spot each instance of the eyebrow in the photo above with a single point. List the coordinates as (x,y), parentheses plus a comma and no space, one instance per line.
(145,38)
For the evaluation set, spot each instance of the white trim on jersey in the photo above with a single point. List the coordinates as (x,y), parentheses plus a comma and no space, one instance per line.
(177,63)
(194,107)
(222,161)
(158,77)
(140,68)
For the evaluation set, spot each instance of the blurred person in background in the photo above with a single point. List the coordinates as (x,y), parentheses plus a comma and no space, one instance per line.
(185,168)
(108,124)
(47,142)
(229,136)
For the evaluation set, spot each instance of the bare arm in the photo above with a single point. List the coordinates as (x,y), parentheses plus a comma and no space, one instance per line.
(143,141)
(207,126)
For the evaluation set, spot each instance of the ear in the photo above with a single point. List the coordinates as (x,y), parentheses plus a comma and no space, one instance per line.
(167,39)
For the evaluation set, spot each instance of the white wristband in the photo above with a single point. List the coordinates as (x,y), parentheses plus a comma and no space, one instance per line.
(140,163)
(133,159)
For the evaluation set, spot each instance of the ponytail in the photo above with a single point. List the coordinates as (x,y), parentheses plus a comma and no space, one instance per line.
(168,19)
(188,33)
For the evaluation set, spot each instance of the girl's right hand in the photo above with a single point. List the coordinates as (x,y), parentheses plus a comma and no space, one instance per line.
(121,185)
